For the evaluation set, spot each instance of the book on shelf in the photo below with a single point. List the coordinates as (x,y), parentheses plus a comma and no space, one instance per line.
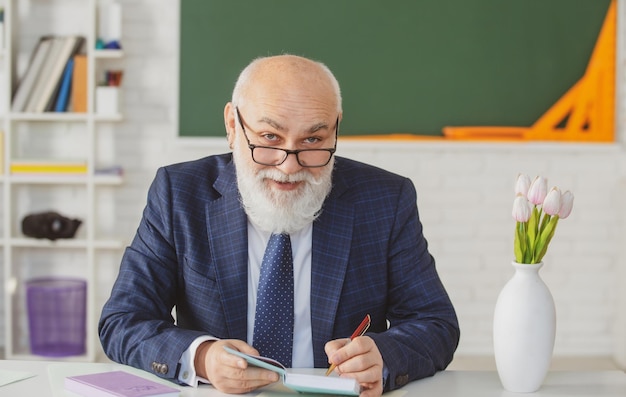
(44,74)
(112,170)
(45,90)
(64,90)
(79,84)
(300,382)
(48,167)
(27,83)
(73,44)
(117,384)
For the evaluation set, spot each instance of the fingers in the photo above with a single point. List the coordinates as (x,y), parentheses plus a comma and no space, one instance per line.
(359,359)
(355,355)
(332,346)
(231,374)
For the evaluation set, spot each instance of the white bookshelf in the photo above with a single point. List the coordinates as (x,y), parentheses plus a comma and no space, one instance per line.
(53,135)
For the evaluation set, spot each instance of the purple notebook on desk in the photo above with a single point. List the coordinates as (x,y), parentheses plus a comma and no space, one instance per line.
(117,384)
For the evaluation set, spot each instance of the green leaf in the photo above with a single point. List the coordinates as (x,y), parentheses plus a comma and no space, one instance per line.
(528,254)
(545,238)
(533,224)
(519,245)
(544,222)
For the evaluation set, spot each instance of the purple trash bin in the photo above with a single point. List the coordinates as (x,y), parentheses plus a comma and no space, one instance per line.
(57,316)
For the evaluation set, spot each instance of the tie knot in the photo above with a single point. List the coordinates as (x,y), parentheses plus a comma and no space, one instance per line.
(279,240)
(281,236)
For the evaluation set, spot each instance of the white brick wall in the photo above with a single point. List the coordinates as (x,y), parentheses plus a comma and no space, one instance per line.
(465,194)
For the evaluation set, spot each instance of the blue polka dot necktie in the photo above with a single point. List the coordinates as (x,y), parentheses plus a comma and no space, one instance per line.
(273,320)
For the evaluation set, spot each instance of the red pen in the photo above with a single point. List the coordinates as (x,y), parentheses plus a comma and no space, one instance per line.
(359,331)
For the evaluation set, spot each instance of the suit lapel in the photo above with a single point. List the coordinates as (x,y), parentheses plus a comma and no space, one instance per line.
(228,238)
(332,236)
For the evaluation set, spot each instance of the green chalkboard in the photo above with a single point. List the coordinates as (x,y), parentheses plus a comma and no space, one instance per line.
(405,66)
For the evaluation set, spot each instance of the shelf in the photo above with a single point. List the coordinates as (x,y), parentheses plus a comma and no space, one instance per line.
(62,116)
(48,116)
(79,179)
(49,136)
(26,242)
(33,357)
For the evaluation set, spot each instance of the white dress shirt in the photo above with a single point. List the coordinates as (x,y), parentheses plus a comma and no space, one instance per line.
(301,245)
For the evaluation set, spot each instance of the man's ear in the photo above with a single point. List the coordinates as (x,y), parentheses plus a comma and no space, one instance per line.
(229,122)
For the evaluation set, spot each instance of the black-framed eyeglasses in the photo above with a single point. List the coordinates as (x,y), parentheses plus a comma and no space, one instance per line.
(273,156)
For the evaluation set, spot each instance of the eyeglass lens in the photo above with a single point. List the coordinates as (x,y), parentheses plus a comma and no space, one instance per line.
(276,156)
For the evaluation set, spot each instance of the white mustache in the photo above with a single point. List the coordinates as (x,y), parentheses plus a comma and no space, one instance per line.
(278,176)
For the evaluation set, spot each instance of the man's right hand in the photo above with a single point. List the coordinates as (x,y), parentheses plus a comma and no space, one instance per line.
(229,373)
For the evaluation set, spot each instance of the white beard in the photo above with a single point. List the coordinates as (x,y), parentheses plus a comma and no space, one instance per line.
(279,211)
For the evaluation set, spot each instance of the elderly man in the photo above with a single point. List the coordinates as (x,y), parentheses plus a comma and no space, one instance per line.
(280,248)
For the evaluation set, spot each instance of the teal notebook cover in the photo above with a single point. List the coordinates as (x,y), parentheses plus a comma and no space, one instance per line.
(306,383)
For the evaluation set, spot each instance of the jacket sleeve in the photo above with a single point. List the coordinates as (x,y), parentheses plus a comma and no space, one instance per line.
(137,327)
(423,328)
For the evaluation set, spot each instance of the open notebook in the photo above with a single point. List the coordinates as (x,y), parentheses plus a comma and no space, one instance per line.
(306,383)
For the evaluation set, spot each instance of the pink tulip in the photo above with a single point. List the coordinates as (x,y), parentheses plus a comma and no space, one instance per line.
(538,190)
(537,212)
(552,203)
(521,209)
(522,184)
(567,203)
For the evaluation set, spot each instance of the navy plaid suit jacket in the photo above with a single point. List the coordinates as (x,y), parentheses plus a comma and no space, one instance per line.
(368,256)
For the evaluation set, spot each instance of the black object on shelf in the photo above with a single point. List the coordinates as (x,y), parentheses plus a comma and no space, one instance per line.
(50,225)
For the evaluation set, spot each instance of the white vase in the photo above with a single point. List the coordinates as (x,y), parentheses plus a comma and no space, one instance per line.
(524,327)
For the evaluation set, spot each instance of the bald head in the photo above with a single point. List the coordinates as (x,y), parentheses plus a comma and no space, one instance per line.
(287,76)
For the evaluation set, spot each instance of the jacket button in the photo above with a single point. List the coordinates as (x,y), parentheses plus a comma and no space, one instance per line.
(402,380)
(159,368)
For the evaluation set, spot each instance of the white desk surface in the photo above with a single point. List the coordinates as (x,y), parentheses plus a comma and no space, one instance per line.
(48,382)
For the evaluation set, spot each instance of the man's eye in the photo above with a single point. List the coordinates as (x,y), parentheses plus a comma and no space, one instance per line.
(269,137)
(312,139)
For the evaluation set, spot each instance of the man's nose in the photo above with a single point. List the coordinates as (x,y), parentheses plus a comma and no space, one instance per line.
(290,165)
